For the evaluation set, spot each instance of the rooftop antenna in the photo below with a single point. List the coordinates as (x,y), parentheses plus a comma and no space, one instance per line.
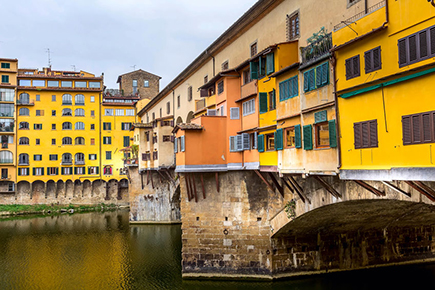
(134,67)
(49,58)
(73,67)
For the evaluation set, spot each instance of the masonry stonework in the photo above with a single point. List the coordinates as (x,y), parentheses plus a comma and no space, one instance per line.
(126,84)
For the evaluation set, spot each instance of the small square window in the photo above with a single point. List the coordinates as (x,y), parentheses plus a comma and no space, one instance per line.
(38,141)
(146,83)
(53,98)
(92,141)
(53,113)
(92,99)
(38,98)
(92,113)
(53,141)
(253,49)
(270,142)
(53,126)
(92,126)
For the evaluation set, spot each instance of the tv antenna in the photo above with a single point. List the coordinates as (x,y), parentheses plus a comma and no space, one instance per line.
(73,67)
(134,67)
(49,57)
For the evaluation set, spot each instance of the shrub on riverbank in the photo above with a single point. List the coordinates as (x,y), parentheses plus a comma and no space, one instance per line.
(13,209)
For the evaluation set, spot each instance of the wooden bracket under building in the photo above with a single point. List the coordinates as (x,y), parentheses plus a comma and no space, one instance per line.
(141,179)
(264,180)
(217,181)
(396,188)
(148,177)
(422,188)
(370,188)
(297,188)
(151,177)
(327,186)
(278,186)
(192,179)
(186,179)
(202,185)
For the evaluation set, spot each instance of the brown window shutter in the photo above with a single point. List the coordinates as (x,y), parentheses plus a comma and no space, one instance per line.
(365,134)
(432,40)
(356,66)
(423,44)
(374,133)
(377,63)
(407,130)
(427,128)
(402,52)
(416,129)
(348,68)
(368,61)
(357,135)
(412,42)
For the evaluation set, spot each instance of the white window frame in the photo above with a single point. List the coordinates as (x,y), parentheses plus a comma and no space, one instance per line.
(119,112)
(248,107)
(129,112)
(108,112)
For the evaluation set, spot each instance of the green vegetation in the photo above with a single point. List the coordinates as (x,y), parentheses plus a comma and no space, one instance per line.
(290,209)
(18,209)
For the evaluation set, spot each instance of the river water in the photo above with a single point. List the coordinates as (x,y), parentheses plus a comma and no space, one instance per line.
(102,251)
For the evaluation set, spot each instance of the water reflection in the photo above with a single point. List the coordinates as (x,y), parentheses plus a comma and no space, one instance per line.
(101,251)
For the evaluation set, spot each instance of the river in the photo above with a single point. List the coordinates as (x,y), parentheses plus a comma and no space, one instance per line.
(102,251)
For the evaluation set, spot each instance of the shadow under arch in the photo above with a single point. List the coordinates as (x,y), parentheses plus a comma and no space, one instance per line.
(189,117)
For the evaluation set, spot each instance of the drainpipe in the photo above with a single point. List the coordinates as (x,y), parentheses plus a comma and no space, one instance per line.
(337,114)
(365,7)
(100,124)
(214,65)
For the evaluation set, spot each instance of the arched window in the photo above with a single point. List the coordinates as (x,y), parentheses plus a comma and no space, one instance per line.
(66,158)
(79,113)
(79,126)
(24,112)
(24,141)
(79,158)
(66,126)
(66,141)
(23,159)
(67,112)
(66,99)
(23,98)
(108,170)
(24,126)
(6,157)
(80,141)
(80,99)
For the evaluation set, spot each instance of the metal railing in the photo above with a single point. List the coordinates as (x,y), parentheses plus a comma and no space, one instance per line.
(79,162)
(360,15)
(4,128)
(26,102)
(6,161)
(317,49)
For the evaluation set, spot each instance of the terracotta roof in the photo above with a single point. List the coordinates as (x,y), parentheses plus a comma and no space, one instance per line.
(142,125)
(138,70)
(58,89)
(44,76)
(185,126)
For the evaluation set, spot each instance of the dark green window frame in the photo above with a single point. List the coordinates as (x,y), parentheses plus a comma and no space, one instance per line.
(289,88)
(316,77)
(5,65)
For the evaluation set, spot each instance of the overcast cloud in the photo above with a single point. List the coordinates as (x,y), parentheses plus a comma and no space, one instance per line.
(108,36)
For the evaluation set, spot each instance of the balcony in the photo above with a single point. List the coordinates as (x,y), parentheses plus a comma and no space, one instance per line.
(316,51)
(79,162)
(6,161)
(360,15)
(131,162)
(249,89)
(26,102)
(6,128)
(67,162)
(200,105)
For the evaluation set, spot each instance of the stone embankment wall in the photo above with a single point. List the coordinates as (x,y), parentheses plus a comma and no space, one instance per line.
(154,197)
(69,192)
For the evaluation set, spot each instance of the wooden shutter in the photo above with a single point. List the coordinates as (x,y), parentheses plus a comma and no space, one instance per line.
(368,61)
(312,79)
(357,128)
(263,102)
(260,143)
(234,114)
(427,128)
(253,67)
(377,62)
(255,140)
(407,131)
(298,139)
(373,128)
(403,52)
(308,137)
(356,66)
(432,41)
(239,142)
(282,95)
(203,94)
(306,81)
(325,73)
(412,43)
(319,75)
(321,116)
(182,144)
(332,134)
(279,143)
(416,129)
(348,65)
(246,143)
(423,44)
(295,86)
(365,134)
(270,64)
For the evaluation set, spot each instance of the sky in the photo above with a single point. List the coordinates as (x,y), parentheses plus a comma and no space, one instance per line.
(114,36)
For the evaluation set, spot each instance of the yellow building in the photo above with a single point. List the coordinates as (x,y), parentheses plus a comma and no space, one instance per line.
(58,125)
(8,86)
(384,71)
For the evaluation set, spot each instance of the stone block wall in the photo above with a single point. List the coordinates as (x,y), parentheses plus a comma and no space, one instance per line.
(144,92)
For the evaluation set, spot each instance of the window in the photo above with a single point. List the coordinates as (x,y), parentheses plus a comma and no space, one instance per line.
(66,84)
(37,157)
(372,60)
(352,67)
(52,157)
(66,126)
(129,112)
(322,134)
(23,159)
(248,107)
(23,141)
(107,140)
(225,65)
(189,93)
(92,156)
(107,126)
(66,112)
(79,100)
(234,113)
(126,141)
(107,170)
(92,141)
(79,158)
(317,77)
(220,87)
(108,112)
(92,99)
(66,99)
(92,113)
(5,79)
(79,170)
(53,84)
(53,141)
(38,83)
(52,170)
(38,171)
(79,141)
(288,88)
(23,171)
(38,98)
(38,141)
(24,112)
(263,102)
(290,137)
(7,95)
(418,128)
(366,134)
(253,49)
(24,98)
(37,126)
(24,83)
(92,126)
(39,112)
(5,65)
(53,113)
(79,84)
(146,83)
(79,112)
(161,113)
(270,142)
(134,86)
(108,155)
(93,170)
(119,112)
(206,79)
(178,102)
(293,26)
(66,158)
(6,110)
(53,126)
(168,107)
(66,170)
(308,137)
(246,76)
(272,100)
(79,126)
(66,141)
(94,85)
(417,47)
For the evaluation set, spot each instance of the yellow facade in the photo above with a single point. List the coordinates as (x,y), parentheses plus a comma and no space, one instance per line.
(377,104)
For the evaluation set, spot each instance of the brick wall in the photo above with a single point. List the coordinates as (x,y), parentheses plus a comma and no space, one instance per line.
(150,92)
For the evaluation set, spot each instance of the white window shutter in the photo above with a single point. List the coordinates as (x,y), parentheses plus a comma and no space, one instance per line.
(176,145)
(255,140)
(232,143)
(182,149)
(234,114)
(246,142)
(239,141)
(211,112)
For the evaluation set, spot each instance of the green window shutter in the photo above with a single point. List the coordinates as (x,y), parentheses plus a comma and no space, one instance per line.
(98,170)
(279,144)
(89,170)
(262,66)
(263,102)
(273,105)
(308,137)
(57,170)
(270,62)
(33,170)
(19,171)
(321,116)
(312,79)
(306,81)
(325,76)
(298,139)
(75,170)
(281,92)
(332,134)
(42,171)
(295,90)
(319,75)
(260,143)
(254,70)
(126,141)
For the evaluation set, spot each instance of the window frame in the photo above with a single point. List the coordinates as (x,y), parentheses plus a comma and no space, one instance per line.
(269,142)
(316,128)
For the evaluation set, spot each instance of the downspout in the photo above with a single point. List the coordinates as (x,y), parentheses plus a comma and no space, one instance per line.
(337,114)
(101,164)
(214,63)
(365,7)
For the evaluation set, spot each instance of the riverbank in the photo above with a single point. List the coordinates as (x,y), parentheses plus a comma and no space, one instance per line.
(36,209)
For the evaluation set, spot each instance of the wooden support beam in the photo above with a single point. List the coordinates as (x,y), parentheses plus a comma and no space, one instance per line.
(396,188)
(370,188)
(202,185)
(194,186)
(186,179)
(162,177)
(141,179)
(288,185)
(327,186)
(422,188)
(264,180)
(169,175)
(152,182)
(278,186)
(298,189)
(148,177)
(217,181)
